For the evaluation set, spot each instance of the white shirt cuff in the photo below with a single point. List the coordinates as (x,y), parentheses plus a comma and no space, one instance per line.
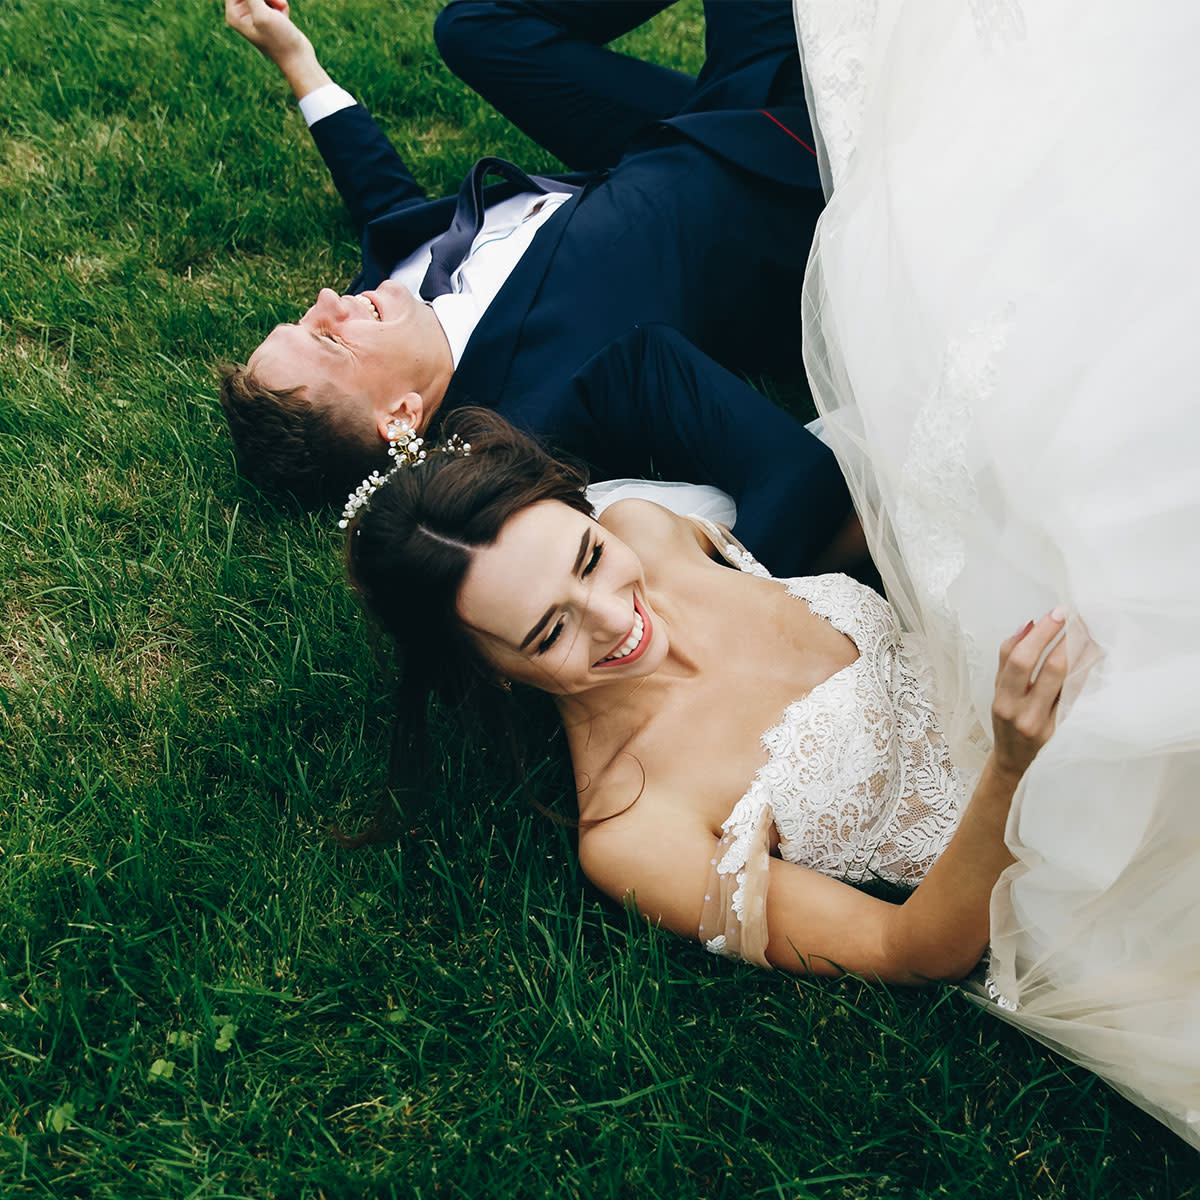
(324,102)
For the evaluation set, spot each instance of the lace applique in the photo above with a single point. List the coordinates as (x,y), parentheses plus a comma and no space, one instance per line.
(838,43)
(997,997)
(938,495)
(729,548)
(741,558)
(998,22)
(842,43)
(858,781)
(938,505)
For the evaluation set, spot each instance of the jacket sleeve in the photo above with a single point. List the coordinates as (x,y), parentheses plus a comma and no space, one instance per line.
(366,169)
(652,402)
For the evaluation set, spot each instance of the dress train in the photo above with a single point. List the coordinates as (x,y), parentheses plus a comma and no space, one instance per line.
(999,330)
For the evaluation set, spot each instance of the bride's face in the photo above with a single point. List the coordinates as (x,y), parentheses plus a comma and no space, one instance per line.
(560,603)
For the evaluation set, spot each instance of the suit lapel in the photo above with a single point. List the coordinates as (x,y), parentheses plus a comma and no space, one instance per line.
(775,143)
(393,237)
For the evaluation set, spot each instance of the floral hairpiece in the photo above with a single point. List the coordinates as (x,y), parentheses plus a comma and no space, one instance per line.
(406,450)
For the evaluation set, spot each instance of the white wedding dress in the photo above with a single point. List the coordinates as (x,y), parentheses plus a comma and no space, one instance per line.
(1000,327)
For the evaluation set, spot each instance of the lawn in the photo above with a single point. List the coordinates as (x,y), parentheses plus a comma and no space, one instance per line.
(201,994)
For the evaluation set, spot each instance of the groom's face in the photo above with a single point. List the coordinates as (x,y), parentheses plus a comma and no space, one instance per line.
(354,353)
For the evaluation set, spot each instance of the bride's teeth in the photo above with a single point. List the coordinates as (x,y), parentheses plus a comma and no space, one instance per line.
(632,642)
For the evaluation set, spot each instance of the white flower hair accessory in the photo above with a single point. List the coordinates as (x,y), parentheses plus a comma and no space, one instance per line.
(406,450)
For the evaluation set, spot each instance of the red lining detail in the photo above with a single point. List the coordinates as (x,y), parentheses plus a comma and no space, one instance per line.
(787,131)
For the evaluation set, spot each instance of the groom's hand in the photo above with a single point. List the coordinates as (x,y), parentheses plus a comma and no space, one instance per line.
(267,26)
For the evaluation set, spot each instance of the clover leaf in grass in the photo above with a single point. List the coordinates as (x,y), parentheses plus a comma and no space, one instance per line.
(160,1068)
(61,1116)
(226,1032)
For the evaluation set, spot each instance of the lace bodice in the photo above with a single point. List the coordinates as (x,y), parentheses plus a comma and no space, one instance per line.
(858,783)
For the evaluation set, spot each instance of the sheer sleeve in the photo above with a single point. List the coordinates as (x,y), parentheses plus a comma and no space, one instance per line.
(733,921)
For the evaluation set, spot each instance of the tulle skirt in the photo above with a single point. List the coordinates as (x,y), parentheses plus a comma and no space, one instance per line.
(1000,329)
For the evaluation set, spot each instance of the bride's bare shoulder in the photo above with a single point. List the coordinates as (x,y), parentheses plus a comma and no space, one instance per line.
(656,854)
(645,526)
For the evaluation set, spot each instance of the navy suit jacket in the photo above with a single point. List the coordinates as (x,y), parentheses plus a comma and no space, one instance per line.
(615,335)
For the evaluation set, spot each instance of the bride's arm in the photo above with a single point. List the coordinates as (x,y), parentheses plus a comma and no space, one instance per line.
(942,929)
(821,926)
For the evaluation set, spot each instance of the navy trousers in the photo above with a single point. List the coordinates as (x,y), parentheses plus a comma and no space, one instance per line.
(544,64)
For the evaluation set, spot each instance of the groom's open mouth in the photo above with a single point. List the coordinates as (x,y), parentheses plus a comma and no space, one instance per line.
(635,642)
(363,298)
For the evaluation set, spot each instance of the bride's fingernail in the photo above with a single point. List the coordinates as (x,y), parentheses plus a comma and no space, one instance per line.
(1058,613)
(1024,629)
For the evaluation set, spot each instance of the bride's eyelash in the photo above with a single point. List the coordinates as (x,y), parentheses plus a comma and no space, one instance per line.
(551,637)
(592,563)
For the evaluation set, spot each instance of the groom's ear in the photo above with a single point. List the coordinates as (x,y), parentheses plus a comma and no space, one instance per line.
(408,409)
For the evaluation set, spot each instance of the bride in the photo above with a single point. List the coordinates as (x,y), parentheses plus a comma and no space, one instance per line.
(481,559)
(1000,310)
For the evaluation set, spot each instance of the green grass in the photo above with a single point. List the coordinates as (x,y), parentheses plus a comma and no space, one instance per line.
(201,996)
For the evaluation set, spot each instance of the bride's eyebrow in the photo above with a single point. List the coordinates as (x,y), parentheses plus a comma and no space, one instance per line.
(538,627)
(583,547)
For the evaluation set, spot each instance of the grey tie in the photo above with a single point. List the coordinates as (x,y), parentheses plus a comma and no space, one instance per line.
(448,252)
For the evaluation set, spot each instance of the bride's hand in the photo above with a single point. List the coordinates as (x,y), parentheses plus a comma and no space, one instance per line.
(1033,665)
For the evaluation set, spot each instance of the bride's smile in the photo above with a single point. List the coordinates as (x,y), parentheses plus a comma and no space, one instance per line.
(632,647)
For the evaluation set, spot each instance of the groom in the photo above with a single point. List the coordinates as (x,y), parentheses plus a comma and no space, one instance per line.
(606,311)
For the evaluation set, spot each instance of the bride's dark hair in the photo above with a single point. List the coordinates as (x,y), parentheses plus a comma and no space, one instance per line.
(408,550)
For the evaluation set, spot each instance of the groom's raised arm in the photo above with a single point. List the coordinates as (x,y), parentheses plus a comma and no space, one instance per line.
(688,418)
(365,167)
